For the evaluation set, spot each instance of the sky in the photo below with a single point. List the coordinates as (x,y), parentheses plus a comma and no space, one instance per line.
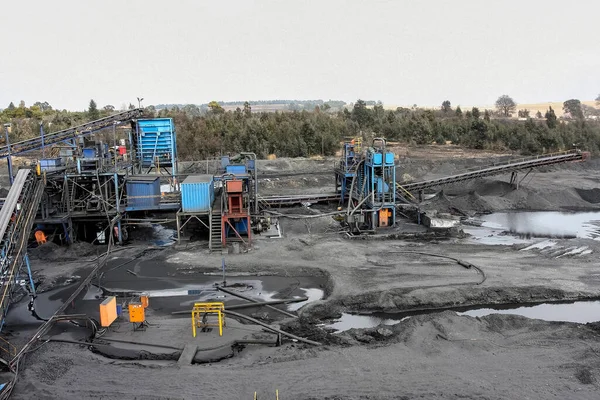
(401,52)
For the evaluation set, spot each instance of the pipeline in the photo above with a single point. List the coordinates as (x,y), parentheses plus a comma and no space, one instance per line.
(241,296)
(250,305)
(460,262)
(269,327)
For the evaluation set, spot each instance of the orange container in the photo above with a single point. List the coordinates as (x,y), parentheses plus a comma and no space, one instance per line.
(108,311)
(234,186)
(136,312)
(145,300)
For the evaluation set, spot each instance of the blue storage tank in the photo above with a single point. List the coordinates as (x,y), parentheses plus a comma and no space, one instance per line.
(197,193)
(143,192)
(157,143)
(236,169)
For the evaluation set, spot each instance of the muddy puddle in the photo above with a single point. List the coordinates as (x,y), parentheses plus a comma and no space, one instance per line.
(510,228)
(580,312)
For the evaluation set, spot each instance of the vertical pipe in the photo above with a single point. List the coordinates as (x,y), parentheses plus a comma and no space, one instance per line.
(42,135)
(26,259)
(9,158)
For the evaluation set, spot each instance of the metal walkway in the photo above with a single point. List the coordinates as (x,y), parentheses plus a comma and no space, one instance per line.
(497,169)
(67,134)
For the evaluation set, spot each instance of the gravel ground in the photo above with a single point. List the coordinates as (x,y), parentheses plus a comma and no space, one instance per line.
(439,355)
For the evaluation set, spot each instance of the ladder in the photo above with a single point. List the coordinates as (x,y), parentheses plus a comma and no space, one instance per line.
(216,239)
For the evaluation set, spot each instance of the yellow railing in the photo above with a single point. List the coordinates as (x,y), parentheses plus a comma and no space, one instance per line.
(200,314)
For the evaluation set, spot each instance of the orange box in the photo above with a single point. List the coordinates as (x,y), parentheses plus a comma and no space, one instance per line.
(108,311)
(136,312)
(384,214)
(145,300)
(234,186)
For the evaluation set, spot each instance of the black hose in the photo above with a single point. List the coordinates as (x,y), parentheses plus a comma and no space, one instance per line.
(460,262)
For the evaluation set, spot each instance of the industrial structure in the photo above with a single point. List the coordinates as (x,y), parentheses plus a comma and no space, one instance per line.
(106,176)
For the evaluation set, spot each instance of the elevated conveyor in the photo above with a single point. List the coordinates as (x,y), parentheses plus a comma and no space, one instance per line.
(16,220)
(496,169)
(71,133)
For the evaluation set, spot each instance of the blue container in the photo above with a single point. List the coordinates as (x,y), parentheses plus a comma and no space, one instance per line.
(236,169)
(119,310)
(224,162)
(377,158)
(157,144)
(389,158)
(143,192)
(89,152)
(240,226)
(251,165)
(197,193)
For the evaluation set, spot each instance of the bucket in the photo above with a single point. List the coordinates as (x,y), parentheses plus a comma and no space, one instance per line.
(119,309)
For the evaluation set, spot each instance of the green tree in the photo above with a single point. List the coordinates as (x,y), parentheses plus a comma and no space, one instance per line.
(538,114)
(523,113)
(486,116)
(11,106)
(93,112)
(573,107)
(215,108)
(458,112)
(506,105)
(551,118)
(247,110)
(475,113)
(361,114)
(446,106)
(109,108)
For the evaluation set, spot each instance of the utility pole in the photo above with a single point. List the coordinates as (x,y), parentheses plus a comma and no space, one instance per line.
(9,158)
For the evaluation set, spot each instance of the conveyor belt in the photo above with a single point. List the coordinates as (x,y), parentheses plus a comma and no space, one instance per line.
(539,161)
(70,133)
(12,198)
(297,199)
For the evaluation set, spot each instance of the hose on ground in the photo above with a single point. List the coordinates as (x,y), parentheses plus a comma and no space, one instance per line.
(460,262)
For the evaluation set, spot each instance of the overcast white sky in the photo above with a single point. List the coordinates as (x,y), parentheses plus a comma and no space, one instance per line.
(401,52)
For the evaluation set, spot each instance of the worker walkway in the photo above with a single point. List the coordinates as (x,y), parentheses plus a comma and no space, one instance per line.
(496,169)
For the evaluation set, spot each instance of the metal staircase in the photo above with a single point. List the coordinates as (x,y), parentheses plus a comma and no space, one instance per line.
(216,239)
(16,220)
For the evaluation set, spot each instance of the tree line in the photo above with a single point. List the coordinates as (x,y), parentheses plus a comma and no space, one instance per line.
(302,133)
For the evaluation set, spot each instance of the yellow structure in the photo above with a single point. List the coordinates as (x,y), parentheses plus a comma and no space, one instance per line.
(200,314)
(108,311)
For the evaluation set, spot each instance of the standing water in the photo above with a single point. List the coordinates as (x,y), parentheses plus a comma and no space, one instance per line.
(518,227)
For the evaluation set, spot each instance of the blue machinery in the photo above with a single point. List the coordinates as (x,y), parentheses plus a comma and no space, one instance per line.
(366,180)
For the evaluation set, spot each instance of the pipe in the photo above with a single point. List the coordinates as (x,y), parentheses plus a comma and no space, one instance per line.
(298,338)
(255,180)
(460,262)
(241,296)
(250,305)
